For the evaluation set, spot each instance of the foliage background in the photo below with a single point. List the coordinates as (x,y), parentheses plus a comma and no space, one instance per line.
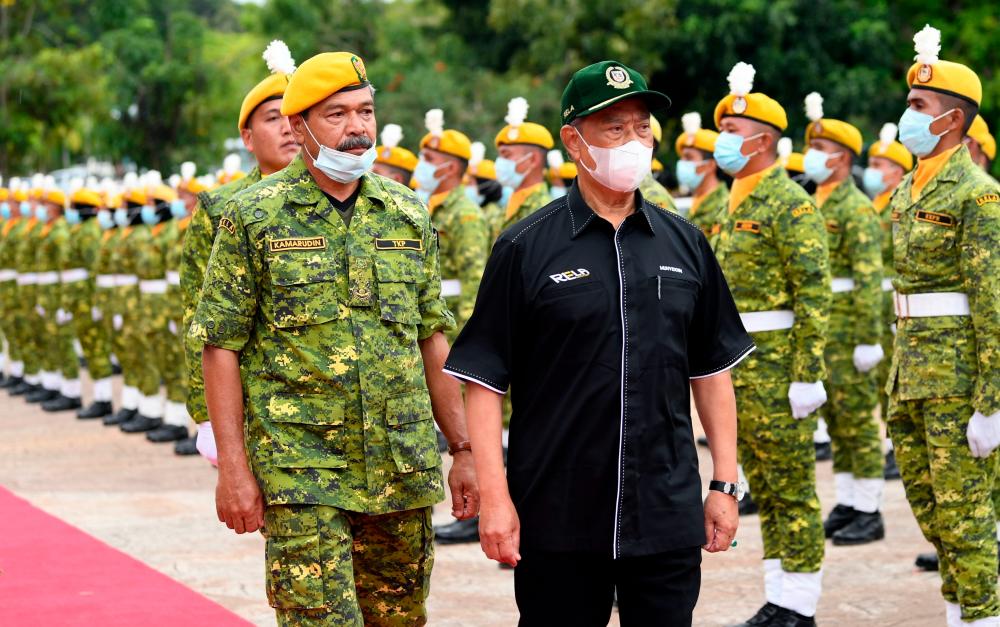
(157,82)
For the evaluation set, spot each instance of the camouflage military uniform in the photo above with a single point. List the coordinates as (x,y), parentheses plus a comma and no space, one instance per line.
(194,258)
(946,367)
(30,324)
(108,296)
(133,347)
(709,213)
(657,194)
(58,356)
(524,203)
(79,275)
(494,215)
(775,258)
(177,379)
(886,220)
(463,237)
(853,237)
(326,319)
(154,319)
(13,309)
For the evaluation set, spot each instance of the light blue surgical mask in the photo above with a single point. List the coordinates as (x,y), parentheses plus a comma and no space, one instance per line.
(507,173)
(872,182)
(25,209)
(5,210)
(72,216)
(425,174)
(149,215)
(557,192)
(472,193)
(687,174)
(121,217)
(342,167)
(729,152)
(915,132)
(41,213)
(815,166)
(178,209)
(505,194)
(424,196)
(105,219)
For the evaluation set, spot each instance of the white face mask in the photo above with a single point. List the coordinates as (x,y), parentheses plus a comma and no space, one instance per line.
(342,167)
(621,168)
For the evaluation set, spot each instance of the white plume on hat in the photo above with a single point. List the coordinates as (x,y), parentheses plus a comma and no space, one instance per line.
(188,170)
(208,180)
(37,180)
(391,135)
(814,107)
(741,79)
(434,122)
(129,180)
(14,183)
(153,178)
(785,147)
(91,183)
(49,182)
(75,184)
(554,159)
(927,43)
(174,180)
(279,58)
(691,122)
(888,133)
(231,164)
(478,150)
(517,111)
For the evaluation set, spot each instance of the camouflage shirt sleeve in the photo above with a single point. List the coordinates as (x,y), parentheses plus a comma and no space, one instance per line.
(981,267)
(864,242)
(471,239)
(194,258)
(434,314)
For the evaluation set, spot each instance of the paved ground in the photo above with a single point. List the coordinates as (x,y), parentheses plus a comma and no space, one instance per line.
(159,508)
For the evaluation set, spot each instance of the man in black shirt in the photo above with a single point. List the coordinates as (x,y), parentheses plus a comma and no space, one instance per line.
(601,312)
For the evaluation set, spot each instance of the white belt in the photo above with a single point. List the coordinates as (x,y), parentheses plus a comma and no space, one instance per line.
(27,278)
(451,287)
(106,280)
(7,275)
(931,304)
(126,279)
(47,278)
(173,277)
(73,275)
(838,285)
(758,321)
(887,285)
(153,286)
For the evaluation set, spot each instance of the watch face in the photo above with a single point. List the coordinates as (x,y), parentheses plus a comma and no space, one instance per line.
(741,490)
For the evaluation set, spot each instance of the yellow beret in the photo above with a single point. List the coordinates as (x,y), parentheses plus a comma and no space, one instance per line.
(37,193)
(193,186)
(322,76)
(162,193)
(450,142)
(272,86)
(980,132)
(654,125)
(55,196)
(485,169)
(656,166)
(836,131)
(113,200)
(702,139)
(84,196)
(4,193)
(396,157)
(894,151)
(20,195)
(527,133)
(136,196)
(946,77)
(567,170)
(794,163)
(754,106)
(224,178)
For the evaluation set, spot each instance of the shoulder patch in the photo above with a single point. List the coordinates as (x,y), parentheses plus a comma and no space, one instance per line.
(226,223)
(802,210)
(895,216)
(470,218)
(941,219)
(398,244)
(750,226)
(985,198)
(832,226)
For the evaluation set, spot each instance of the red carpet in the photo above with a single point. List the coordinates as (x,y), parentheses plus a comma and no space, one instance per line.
(53,574)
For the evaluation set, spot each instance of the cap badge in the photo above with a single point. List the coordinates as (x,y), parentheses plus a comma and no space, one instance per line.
(433,143)
(386,153)
(512,133)
(690,140)
(359,68)
(925,73)
(817,127)
(618,77)
(739,105)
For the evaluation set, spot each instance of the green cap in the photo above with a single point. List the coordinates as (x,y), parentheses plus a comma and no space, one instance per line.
(601,85)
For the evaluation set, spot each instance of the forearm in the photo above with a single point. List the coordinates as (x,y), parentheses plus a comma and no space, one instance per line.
(484,408)
(446,393)
(224,395)
(715,400)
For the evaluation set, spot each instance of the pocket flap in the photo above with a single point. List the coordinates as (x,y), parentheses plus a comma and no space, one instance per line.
(401,410)
(306,409)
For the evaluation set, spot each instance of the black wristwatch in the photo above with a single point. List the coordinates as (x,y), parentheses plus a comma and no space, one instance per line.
(736,490)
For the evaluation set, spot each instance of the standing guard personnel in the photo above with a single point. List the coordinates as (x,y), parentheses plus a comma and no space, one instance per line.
(483,189)
(393,160)
(12,228)
(697,171)
(30,335)
(522,147)
(322,321)
(650,188)
(982,145)
(944,382)
(773,250)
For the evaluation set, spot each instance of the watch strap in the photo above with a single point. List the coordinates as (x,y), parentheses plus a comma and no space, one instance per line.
(722,486)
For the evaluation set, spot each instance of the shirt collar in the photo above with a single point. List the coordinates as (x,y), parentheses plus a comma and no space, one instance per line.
(581,215)
(303,189)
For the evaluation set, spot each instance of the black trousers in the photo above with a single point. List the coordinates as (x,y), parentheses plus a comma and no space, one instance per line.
(578,589)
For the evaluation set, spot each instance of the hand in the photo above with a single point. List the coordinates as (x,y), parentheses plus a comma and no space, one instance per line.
(63,316)
(238,500)
(172,326)
(96,314)
(500,532)
(117,322)
(983,434)
(722,518)
(205,443)
(805,398)
(867,356)
(463,485)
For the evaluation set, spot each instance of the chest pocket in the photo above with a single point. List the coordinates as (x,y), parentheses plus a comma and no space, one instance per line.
(933,231)
(303,287)
(399,274)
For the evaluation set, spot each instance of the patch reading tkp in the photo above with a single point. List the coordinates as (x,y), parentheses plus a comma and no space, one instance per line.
(226,223)
(569,275)
(398,244)
(941,219)
(296,243)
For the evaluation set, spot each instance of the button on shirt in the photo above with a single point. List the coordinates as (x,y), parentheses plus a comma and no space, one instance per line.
(598,331)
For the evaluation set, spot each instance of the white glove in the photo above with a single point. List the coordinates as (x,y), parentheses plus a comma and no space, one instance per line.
(63,316)
(983,434)
(40,310)
(205,443)
(117,322)
(172,326)
(96,314)
(805,398)
(867,356)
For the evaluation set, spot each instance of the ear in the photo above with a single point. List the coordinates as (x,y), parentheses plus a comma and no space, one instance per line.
(297,124)
(571,141)
(247,135)
(958,115)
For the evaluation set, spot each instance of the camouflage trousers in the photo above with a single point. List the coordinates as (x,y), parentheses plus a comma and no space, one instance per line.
(137,359)
(951,494)
(888,337)
(175,373)
(779,460)
(29,330)
(59,355)
(850,416)
(94,342)
(327,566)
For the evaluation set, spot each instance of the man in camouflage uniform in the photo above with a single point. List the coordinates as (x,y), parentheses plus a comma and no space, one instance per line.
(650,188)
(522,148)
(773,252)
(30,322)
(696,170)
(321,308)
(944,382)
(11,231)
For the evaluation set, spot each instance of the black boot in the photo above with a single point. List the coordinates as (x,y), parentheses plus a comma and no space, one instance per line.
(22,388)
(458,532)
(866,527)
(787,618)
(167,433)
(824,452)
(839,517)
(122,416)
(41,395)
(747,506)
(927,561)
(187,446)
(140,424)
(9,382)
(61,403)
(890,470)
(97,409)
(764,616)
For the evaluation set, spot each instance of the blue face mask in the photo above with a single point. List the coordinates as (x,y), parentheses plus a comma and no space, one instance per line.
(342,167)
(814,165)
(505,195)
(25,209)
(872,182)
(425,174)
(424,196)
(149,215)
(41,213)
(105,220)
(5,210)
(507,173)
(915,132)
(557,192)
(472,193)
(121,217)
(178,209)
(729,152)
(72,216)
(687,174)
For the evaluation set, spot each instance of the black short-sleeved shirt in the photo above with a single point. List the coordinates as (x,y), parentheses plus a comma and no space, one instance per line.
(602,454)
